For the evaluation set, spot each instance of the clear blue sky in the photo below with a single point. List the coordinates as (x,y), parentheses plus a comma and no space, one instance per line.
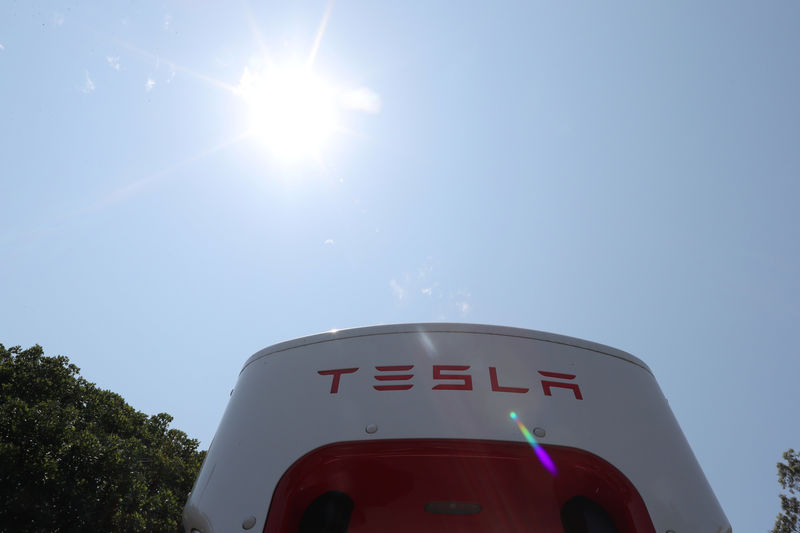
(624,173)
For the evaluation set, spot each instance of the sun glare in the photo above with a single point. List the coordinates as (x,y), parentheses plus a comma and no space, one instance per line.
(291,110)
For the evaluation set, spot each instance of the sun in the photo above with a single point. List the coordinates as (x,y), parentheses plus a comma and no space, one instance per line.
(290,109)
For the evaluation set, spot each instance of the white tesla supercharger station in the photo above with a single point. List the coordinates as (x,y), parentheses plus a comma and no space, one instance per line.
(449,427)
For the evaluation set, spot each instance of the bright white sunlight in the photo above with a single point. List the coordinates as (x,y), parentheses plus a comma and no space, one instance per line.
(290,109)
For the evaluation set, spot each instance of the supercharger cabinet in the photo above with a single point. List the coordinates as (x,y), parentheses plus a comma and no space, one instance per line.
(449,427)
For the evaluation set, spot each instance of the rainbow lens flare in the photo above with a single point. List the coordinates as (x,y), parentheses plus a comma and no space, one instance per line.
(541,454)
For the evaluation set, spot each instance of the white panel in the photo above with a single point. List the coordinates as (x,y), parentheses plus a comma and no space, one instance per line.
(282,408)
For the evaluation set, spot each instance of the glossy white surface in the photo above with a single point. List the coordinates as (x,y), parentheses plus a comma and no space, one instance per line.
(282,408)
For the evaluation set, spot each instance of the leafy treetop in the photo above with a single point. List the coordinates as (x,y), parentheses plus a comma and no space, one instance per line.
(788,520)
(74,457)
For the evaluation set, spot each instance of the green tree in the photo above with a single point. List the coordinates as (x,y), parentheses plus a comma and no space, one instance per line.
(74,457)
(788,520)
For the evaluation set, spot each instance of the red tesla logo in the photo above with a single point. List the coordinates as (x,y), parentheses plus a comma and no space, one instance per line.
(394,377)
(451,377)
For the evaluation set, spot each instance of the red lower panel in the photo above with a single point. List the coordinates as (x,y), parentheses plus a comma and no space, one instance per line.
(392,481)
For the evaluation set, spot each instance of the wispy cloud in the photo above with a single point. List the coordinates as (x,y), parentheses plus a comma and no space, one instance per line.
(167,21)
(329,242)
(362,99)
(113,62)
(462,301)
(398,291)
(58,19)
(427,289)
(2,48)
(88,84)
(425,270)
(149,84)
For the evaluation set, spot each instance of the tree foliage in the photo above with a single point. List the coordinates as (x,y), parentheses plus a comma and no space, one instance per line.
(788,520)
(74,457)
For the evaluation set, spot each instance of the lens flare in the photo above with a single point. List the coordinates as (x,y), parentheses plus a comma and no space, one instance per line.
(540,452)
(430,348)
